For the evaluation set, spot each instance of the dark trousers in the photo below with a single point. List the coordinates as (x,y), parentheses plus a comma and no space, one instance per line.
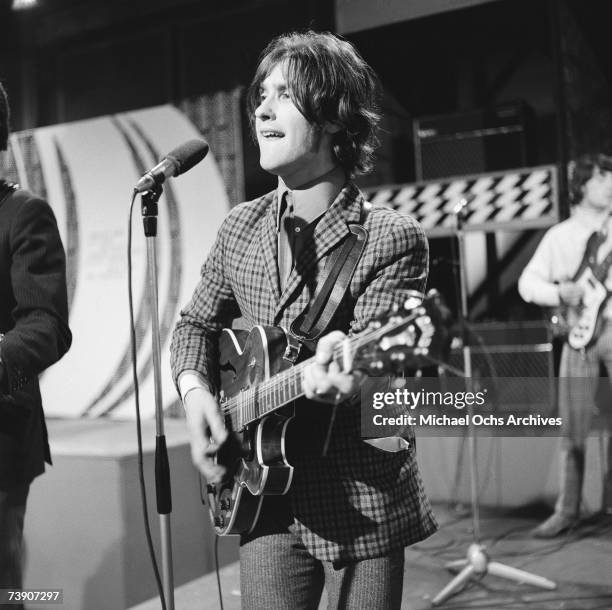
(12,513)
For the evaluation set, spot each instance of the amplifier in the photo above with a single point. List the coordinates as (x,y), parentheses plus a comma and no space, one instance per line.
(514,350)
(471,142)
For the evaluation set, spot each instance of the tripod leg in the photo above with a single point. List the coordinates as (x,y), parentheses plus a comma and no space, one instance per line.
(520,576)
(454,585)
(459,563)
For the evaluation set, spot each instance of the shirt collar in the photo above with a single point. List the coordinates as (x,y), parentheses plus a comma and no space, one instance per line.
(314,198)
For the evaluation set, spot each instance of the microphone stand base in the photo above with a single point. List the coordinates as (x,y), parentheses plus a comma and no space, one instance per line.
(477,564)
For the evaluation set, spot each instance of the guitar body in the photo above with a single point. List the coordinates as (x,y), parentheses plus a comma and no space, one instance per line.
(583,323)
(260,394)
(585,320)
(255,457)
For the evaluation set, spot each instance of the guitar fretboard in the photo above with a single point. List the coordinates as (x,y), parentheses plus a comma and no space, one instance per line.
(283,388)
(272,394)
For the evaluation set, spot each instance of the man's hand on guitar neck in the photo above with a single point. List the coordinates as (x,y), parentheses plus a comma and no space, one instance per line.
(206,431)
(570,293)
(324,380)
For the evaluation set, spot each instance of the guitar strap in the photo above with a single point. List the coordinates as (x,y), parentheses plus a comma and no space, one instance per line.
(331,288)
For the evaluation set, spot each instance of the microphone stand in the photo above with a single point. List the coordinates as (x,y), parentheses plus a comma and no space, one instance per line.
(162,468)
(477,561)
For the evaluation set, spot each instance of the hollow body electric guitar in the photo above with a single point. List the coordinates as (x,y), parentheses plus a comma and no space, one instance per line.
(259,387)
(582,323)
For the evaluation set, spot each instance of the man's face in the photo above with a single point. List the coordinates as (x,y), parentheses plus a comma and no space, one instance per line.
(597,190)
(289,146)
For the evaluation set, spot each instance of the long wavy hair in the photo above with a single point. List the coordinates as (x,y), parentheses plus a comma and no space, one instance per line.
(329,82)
(4,119)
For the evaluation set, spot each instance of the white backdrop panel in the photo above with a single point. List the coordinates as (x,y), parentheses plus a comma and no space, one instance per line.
(89,169)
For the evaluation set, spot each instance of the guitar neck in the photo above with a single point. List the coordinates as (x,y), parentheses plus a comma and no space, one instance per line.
(272,394)
(283,388)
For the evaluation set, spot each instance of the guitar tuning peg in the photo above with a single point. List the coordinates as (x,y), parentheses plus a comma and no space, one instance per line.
(412,302)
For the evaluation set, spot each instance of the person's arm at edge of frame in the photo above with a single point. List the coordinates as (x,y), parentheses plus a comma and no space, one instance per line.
(41,335)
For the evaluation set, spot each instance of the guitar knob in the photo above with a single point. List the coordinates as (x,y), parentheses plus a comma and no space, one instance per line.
(377,365)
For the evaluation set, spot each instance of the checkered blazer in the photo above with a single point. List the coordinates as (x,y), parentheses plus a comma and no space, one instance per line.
(357,502)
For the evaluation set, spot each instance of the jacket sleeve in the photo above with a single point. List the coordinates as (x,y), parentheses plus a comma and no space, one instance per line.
(40,335)
(399,262)
(212,307)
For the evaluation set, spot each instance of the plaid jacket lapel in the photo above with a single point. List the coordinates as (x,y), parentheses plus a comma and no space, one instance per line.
(268,238)
(331,229)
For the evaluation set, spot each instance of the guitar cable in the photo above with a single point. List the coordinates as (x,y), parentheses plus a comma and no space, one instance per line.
(217,572)
(216,548)
(141,479)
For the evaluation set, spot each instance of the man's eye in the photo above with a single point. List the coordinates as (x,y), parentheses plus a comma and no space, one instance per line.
(285,95)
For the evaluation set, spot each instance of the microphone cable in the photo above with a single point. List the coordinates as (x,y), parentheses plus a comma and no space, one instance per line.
(141,479)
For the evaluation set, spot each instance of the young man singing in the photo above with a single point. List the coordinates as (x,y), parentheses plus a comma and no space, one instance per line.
(352,508)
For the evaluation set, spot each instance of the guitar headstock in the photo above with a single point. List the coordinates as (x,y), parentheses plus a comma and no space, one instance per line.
(412,335)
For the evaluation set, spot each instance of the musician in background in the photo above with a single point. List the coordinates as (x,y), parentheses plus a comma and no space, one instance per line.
(350,512)
(548,281)
(33,335)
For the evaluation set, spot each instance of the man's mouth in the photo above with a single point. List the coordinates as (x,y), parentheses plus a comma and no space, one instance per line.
(270,134)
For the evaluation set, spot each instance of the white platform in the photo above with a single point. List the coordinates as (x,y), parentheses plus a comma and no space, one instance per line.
(84,525)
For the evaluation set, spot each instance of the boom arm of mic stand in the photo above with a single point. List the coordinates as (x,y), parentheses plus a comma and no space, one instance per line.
(162,469)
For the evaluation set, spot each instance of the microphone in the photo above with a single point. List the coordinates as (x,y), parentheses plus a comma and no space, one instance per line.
(175,163)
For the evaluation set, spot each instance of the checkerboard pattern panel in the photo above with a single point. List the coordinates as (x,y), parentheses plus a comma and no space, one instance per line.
(510,200)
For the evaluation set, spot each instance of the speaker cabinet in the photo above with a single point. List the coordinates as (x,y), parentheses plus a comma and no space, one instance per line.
(472,142)
(514,350)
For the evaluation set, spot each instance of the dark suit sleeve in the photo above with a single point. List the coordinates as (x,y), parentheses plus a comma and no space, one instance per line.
(40,335)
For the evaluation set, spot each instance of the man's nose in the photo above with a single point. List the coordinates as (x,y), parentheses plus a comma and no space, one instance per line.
(265,110)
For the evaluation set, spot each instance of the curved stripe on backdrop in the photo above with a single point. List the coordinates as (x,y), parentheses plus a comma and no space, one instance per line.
(168,302)
(71,234)
(88,170)
(142,315)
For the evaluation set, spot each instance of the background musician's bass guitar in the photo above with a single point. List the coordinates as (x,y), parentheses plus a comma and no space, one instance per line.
(259,387)
(582,324)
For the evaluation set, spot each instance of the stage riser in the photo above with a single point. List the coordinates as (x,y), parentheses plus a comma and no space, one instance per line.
(84,526)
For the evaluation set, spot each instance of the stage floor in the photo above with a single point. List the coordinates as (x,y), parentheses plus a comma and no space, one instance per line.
(580,563)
